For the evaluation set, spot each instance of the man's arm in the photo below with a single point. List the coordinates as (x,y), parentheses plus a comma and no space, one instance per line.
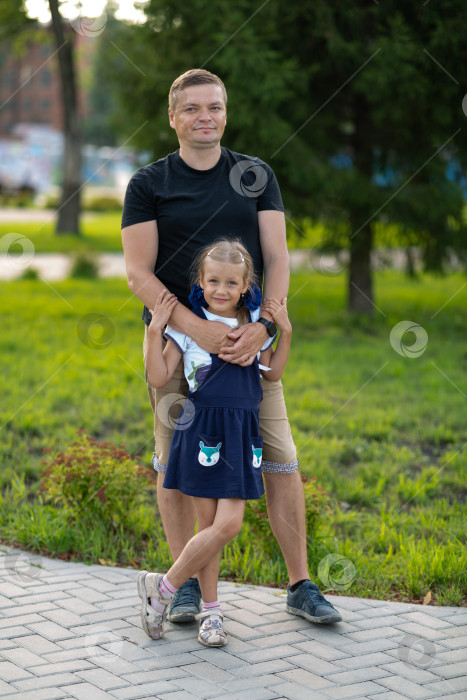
(140,247)
(251,337)
(272,236)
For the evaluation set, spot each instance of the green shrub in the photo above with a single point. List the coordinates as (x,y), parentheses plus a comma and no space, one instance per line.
(102,203)
(17,199)
(30,273)
(51,201)
(95,480)
(84,266)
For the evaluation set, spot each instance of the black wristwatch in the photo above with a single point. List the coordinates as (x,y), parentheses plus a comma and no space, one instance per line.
(270,326)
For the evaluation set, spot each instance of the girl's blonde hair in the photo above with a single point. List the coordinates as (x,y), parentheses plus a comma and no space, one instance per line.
(231,251)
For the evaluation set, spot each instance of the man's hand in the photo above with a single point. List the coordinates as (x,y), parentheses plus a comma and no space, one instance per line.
(248,341)
(213,336)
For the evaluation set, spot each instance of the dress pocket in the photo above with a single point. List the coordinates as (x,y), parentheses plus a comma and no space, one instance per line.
(256,452)
(209,450)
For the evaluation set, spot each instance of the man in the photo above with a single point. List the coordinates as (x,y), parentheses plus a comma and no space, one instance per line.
(172,208)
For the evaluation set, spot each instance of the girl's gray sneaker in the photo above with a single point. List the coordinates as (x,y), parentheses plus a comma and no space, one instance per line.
(152,621)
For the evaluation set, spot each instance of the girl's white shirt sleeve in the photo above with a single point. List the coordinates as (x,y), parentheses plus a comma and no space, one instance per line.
(179,339)
(195,359)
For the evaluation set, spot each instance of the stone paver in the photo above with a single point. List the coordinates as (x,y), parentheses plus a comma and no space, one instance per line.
(68,630)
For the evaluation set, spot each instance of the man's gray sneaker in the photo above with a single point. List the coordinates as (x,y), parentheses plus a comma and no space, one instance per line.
(186,603)
(307,601)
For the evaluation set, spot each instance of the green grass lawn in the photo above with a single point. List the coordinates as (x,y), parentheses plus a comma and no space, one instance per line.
(100,234)
(384,434)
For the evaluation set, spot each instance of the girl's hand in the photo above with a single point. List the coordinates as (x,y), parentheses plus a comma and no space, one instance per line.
(278,311)
(162,311)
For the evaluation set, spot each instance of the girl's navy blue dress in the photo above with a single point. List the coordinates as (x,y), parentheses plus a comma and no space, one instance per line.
(216,450)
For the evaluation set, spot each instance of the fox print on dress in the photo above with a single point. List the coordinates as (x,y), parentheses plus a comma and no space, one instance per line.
(257,456)
(208,456)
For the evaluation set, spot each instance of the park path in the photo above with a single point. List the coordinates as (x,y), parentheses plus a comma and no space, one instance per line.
(68,630)
(56,266)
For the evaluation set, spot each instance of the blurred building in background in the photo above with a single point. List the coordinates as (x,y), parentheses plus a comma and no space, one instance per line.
(30,80)
(31,117)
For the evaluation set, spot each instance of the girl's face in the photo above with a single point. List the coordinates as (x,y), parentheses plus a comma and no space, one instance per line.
(222,284)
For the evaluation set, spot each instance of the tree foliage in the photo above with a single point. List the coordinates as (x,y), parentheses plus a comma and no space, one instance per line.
(357,107)
(13,19)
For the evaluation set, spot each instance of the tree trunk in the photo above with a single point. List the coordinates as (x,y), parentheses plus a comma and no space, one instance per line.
(70,205)
(360,290)
(411,264)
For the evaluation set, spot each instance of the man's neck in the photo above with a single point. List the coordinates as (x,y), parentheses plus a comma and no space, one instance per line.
(200,159)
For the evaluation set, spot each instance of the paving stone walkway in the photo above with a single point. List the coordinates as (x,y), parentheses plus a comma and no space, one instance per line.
(68,630)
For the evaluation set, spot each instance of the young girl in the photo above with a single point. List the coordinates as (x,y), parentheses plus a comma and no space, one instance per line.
(216,451)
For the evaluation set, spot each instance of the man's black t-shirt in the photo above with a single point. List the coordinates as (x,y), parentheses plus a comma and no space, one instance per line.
(195,207)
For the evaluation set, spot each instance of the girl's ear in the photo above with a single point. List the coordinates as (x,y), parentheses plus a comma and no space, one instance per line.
(245,286)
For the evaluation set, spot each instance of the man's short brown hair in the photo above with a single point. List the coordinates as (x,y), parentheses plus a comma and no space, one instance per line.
(195,76)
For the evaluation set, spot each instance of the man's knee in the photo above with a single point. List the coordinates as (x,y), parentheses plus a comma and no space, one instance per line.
(169,497)
(281,480)
(283,488)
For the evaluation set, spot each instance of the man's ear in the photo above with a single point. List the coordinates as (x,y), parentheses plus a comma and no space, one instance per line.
(171,118)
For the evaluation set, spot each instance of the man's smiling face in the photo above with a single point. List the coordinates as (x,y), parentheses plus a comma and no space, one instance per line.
(199,116)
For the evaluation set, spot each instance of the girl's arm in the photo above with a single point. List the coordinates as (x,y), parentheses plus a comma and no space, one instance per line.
(277,359)
(161,363)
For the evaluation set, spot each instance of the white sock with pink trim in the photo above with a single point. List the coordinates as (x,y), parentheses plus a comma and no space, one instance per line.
(214,607)
(166,591)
